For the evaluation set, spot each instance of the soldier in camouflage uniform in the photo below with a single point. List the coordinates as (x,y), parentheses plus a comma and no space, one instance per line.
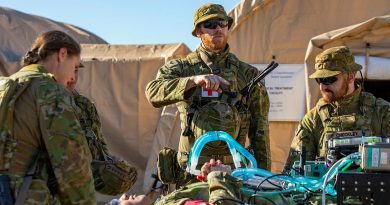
(46,141)
(111,175)
(195,84)
(344,107)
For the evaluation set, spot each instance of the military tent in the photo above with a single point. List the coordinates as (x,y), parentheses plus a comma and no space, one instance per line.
(280,30)
(369,41)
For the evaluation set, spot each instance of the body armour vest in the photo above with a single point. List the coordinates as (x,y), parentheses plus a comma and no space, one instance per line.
(218,114)
(364,123)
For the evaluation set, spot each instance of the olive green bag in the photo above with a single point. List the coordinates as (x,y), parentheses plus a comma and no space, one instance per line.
(167,166)
(113,176)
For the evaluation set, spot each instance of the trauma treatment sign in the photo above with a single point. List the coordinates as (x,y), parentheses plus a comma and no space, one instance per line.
(286,91)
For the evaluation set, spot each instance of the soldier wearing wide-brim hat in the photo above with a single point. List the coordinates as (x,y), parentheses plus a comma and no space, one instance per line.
(334,61)
(210,11)
(197,81)
(343,108)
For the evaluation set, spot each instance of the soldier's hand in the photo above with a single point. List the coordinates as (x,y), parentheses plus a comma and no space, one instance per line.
(212,166)
(134,200)
(209,81)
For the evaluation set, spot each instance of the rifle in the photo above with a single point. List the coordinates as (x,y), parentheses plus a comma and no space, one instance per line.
(244,92)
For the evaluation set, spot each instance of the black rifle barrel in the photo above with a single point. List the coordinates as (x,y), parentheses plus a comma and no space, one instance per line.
(265,72)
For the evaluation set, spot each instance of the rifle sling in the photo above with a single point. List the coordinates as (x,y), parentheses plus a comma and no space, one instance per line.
(209,63)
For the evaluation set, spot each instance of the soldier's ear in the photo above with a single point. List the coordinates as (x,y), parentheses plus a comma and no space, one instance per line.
(198,32)
(351,76)
(62,54)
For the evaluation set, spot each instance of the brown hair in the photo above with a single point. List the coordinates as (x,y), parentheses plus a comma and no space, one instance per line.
(48,43)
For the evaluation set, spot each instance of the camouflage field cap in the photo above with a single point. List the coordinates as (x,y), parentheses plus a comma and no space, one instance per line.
(210,11)
(334,61)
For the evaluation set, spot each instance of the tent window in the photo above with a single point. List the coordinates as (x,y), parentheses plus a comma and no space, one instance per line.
(380,88)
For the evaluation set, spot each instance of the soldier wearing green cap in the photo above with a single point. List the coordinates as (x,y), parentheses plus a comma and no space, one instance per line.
(195,84)
(343,108)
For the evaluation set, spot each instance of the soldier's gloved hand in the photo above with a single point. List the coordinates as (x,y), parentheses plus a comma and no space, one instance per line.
(208,81)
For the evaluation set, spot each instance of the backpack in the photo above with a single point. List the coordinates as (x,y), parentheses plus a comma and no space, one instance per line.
(10,90)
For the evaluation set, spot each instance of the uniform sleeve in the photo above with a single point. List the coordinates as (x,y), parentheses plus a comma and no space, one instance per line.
(259,128)
(66,146)
(306,136)
(385,113)
(194,191)
(223,186)
(169,85)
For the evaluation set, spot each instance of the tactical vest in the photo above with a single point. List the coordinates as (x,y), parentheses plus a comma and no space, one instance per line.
(365,123)
(218,114)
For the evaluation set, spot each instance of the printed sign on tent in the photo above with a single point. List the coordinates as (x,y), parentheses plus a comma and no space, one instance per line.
(286,90)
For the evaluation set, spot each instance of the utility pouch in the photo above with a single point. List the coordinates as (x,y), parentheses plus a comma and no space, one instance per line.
(113,176)
(167,166)
(6,197)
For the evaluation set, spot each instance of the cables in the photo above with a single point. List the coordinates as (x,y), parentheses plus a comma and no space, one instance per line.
(337,166)
(243,203)
(256,195)
(267,179)
(258,187)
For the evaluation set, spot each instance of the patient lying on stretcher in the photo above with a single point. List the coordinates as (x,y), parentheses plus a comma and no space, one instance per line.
(215,186)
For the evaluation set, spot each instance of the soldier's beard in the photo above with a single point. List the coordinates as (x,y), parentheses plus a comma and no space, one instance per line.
(214,43)
(335,95)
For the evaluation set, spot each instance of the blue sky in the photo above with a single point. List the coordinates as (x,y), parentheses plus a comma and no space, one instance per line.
(124,21)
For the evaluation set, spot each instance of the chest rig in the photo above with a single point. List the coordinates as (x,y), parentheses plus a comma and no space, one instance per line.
(350,128)
(227,112)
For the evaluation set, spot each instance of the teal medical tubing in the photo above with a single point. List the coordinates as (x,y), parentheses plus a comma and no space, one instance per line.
(234,147)
(301,184)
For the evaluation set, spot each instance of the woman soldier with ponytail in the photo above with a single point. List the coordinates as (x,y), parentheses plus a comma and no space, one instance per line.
(44,156)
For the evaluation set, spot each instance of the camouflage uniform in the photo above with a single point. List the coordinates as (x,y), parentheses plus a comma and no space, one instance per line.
(219,185)
(251,119)
(114,182)
(169,88)
(44,122)
(359,111)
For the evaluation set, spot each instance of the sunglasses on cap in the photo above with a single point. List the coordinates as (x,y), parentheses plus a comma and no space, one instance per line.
(213,23)
(326,81)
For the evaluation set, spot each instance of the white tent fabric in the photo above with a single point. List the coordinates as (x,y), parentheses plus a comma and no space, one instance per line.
(264,30)
(115,77)
(18,31)
(369,41)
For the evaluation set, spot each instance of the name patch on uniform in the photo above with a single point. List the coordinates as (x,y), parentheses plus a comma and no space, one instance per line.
(208,93)
(348,134)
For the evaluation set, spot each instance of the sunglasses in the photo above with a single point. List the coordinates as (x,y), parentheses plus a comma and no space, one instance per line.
(326,81)
(213,23)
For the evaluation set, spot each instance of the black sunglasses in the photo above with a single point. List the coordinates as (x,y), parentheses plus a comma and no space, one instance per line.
(213,23)
(326,81)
